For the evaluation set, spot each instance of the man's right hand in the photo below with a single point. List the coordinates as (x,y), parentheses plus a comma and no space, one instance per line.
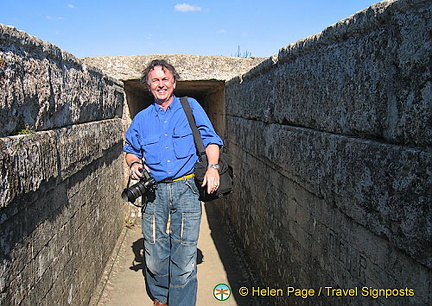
(136,171)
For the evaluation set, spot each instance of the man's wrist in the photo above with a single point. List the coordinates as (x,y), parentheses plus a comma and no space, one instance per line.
(135,162)
(215,166)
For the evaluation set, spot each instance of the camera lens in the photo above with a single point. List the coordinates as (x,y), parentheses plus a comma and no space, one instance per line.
(141,188)
(130,194)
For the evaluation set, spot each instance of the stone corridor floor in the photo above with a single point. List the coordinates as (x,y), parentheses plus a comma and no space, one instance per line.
(219,262)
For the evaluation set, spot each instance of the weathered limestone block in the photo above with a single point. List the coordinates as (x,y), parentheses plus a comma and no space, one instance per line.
(366,76)
(387,188)
(29,160)
(189,67)
(79,145)
(26,161)
(43,87)
(313,242)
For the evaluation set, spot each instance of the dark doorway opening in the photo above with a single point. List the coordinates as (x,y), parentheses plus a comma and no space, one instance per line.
(210,94)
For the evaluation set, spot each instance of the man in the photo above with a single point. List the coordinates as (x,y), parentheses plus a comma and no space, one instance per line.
(161,135)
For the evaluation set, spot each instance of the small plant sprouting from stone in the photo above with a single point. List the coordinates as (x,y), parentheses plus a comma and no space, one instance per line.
(129,222)
(26,131)
(22,128)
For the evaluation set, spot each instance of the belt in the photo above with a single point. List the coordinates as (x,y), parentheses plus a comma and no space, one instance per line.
(177,179)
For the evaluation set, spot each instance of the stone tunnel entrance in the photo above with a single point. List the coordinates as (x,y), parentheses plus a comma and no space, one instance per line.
(210,94)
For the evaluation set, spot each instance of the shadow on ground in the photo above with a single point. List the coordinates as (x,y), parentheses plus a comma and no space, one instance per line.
(235,261)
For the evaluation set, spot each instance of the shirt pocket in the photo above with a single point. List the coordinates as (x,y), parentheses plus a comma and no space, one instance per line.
(151,149)
(183,143)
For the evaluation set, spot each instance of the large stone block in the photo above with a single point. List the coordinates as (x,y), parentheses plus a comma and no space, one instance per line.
(382,186)
(312,242)
(366,76)
(29,160)
(189,67)
(43,87)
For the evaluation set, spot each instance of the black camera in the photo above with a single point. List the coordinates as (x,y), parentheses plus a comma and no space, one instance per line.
(145,185)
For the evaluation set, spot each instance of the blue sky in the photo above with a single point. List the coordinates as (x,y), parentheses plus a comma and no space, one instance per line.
(205,27)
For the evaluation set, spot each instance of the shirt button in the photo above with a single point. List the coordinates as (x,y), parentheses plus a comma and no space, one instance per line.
(166,147)
(169,161)
(165,121)
(166,134)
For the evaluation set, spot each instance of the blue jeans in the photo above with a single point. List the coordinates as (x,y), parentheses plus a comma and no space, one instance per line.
(171,224)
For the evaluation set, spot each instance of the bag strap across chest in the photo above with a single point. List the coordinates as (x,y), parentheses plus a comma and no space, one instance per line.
(196,134)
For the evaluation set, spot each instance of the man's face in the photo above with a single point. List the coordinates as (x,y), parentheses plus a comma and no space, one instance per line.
(161,84)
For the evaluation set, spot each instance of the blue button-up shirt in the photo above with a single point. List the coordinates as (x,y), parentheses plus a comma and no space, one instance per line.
(165,140)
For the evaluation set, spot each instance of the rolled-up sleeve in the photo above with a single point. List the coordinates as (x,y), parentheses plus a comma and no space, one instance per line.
(132,141)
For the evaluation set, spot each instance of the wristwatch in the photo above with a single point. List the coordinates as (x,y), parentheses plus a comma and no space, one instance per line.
(216,166)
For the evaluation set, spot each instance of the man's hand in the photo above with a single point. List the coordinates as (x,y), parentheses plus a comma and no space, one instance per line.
(211,179)
(135,165)
(136,171)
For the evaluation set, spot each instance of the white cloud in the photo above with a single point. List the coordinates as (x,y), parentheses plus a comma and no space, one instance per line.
(221,31)
(184,7)
(71,6)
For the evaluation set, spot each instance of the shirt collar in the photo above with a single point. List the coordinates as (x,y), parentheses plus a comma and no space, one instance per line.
(175,104)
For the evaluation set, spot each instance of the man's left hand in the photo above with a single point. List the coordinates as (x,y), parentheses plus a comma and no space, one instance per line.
(211,179)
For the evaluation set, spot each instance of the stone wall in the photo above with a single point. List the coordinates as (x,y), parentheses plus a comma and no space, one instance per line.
(61,172)
(331,141)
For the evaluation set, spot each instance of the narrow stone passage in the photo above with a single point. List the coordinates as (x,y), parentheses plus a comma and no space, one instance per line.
(219,262)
